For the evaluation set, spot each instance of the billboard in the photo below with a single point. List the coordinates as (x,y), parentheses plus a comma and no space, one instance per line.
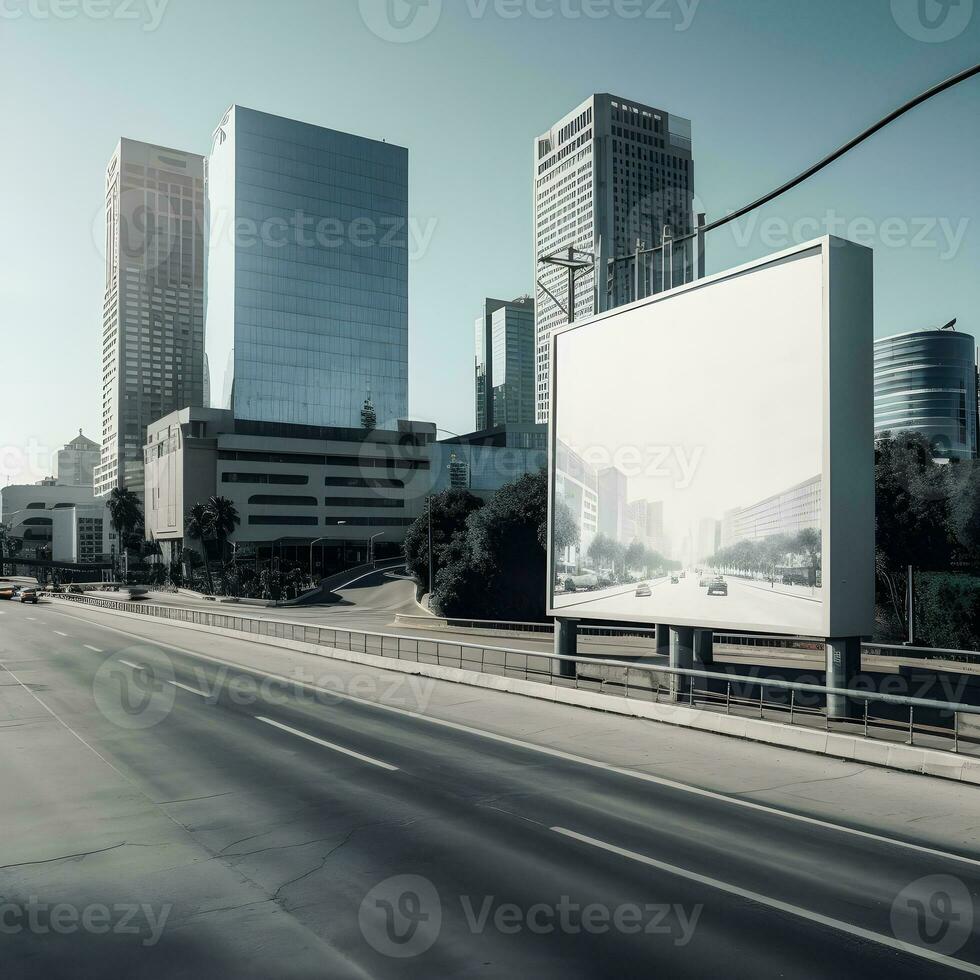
(711,452)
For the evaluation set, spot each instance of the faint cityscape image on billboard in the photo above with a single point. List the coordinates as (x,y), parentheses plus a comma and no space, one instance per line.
(688,457)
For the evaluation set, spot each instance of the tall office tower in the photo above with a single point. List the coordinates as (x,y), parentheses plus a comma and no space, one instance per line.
(609,174)
(307,294)
(77,462)
(153,313)
(926,382)
(504,377)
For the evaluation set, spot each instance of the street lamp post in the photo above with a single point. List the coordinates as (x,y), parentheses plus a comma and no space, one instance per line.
(371,546)
(312,544)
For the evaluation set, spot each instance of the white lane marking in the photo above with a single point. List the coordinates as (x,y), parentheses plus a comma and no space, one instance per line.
(327,745)
(33,619)
(192,690)
(558,753)
(93,649)
(130,664)
(779,906)
(59,633)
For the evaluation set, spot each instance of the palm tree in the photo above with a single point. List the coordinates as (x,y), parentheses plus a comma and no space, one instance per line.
(125,515)
(198,526)
(223,519)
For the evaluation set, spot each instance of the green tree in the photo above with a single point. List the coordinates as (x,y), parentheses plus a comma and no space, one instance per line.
(912,525)
(449,509)
(497,569)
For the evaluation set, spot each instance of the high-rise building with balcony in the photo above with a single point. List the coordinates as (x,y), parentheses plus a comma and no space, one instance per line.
(153,312)
(611,173)
(504,375)
(307,291)
(926,382)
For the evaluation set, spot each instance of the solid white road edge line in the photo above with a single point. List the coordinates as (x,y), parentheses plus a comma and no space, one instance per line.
(327,745)
(777,905)
(555,753)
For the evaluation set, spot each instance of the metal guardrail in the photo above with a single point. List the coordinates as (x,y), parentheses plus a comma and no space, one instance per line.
(622,678)
(774,640)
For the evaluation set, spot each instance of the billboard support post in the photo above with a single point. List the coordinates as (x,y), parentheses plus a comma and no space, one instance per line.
(566,644)
(704,653)
(681,656)
(662,640)
(843,666)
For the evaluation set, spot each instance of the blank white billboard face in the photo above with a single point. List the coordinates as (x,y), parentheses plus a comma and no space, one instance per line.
(688,456)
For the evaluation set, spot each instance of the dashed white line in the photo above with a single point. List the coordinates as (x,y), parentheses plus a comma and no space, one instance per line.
(779,906)
(191,690)
(134,666)
(59,633)
(93,649)
(327,745)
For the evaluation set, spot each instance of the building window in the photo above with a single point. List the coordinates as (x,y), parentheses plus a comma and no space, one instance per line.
(282,519)
(276,500)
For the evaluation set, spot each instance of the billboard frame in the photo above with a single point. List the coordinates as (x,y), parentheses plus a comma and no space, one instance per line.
(847,478)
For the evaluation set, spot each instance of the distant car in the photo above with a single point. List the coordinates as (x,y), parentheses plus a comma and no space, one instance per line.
(718,586)
(674,580)
(7,591)
(28,595)
(643,591)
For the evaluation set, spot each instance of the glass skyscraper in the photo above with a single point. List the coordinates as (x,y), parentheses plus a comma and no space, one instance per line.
(926,382)
(307,289)
(504,370)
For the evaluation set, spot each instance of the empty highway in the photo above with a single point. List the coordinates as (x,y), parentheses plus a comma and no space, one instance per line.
(261,812)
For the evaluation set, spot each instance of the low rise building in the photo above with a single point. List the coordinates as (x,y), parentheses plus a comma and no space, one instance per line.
(327,496)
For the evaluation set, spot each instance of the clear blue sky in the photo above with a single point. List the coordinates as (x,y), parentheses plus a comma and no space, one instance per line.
(769,84)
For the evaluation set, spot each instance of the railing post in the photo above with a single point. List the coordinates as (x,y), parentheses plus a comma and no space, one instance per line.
(911,724)
(792,704)
(866,702)
(728,697)
(627,685)
(956,731)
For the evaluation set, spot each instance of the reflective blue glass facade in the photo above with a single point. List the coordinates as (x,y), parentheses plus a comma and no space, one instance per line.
(307,293)
(926,382)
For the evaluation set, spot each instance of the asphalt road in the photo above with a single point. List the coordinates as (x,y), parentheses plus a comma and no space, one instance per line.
(262,829)
(747,602)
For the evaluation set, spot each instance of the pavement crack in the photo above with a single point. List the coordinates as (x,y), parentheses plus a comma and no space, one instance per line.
(804,782)
(275,847)
(194,799)
(319,867)
(64,857)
